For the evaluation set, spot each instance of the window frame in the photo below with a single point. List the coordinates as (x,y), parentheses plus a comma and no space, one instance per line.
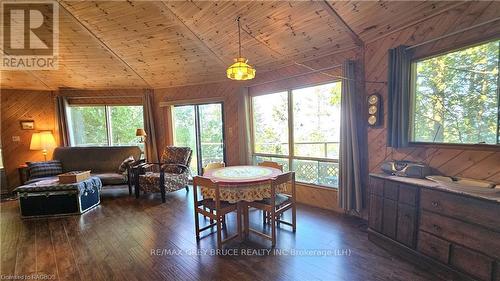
(411,119)
(291,151)
(107,115)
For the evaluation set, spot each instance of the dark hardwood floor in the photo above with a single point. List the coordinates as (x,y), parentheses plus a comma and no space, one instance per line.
(129,239)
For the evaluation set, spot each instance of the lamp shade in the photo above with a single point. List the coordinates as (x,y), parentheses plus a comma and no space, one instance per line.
(42,141)
(240,70)
(140,133)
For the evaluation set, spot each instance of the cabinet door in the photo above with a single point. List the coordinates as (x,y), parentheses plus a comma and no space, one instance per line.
(375,215)
(389,218)
(376,186)
(407,221)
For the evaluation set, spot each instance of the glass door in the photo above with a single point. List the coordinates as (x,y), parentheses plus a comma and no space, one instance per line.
(201,128)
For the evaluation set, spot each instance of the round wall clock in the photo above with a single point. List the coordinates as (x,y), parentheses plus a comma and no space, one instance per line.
(373,99)
(372,120)
(374,108)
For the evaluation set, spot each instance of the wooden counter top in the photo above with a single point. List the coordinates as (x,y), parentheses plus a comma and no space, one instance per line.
(494,197)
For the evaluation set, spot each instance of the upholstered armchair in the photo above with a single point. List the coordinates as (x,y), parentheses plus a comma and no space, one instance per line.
(171,174)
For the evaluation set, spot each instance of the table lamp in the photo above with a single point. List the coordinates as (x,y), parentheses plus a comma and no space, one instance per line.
(42,141)
(141,133)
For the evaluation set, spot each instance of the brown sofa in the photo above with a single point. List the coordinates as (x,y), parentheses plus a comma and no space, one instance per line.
(103,162)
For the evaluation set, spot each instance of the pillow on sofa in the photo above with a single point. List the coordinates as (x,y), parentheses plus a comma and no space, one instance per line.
(124,165)
(44,169)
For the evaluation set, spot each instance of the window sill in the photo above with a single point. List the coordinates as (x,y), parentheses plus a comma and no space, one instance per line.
(317,186)
(455,146)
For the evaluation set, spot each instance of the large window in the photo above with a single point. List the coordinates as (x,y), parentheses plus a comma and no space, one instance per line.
(201,128)
(456,97)
(104,125)
(300,129)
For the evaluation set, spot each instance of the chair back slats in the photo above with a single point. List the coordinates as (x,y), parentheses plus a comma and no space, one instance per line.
(208,183)
(283,178)
(271,164)
(213,166)
(205,182)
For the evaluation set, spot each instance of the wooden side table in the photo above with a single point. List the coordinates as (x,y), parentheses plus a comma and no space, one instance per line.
(23,173)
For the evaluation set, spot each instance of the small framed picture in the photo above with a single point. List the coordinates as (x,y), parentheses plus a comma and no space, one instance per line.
(27,124)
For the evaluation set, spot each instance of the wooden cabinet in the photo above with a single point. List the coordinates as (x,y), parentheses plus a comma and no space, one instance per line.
(392,210)
(449,232)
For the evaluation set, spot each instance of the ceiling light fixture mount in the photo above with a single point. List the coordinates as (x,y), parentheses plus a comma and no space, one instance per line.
(240,69)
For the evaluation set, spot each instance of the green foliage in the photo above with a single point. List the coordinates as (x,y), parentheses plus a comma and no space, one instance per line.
(88,125)
(456,98)
(211,131)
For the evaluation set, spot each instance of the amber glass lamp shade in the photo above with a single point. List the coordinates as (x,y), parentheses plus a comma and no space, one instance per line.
(240,70)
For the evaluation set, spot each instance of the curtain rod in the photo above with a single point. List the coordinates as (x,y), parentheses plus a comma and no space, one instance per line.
(453,33)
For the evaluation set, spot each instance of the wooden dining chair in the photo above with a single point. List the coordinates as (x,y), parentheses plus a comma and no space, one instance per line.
(220,209)
(275,206)
(271,164)
(213,166)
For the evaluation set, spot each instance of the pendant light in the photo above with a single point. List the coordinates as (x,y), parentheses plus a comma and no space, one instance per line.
(240,70)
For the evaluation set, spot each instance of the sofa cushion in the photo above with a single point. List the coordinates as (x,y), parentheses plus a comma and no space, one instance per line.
(44,169)
(111,178)
(125,164)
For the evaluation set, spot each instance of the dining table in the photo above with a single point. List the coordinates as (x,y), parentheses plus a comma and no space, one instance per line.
(240,184)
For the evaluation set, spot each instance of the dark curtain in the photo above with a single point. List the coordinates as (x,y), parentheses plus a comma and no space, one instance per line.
(398,97)
(149,126)
(350,196)
(62,120)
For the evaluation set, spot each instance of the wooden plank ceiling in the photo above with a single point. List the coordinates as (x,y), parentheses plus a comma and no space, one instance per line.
(148,44)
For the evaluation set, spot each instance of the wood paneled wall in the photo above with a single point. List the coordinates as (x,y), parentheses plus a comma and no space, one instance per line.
(17,105)
(453,161)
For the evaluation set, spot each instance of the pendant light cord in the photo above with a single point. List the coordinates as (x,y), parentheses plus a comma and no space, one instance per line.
(239,37)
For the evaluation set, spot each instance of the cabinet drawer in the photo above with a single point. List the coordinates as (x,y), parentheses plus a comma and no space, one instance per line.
(375,215)
(407,225)
(408,194)
(389,218)
(376,186)
(461,207)
(391,190)
(471,236)
(433,247)
(471,262)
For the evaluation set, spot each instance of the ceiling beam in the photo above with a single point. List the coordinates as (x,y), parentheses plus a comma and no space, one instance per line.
(333,13)
(101,42)
(183,24)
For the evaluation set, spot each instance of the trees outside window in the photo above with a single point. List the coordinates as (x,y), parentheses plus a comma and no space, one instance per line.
(104,125)
(455,97)
(300,129)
